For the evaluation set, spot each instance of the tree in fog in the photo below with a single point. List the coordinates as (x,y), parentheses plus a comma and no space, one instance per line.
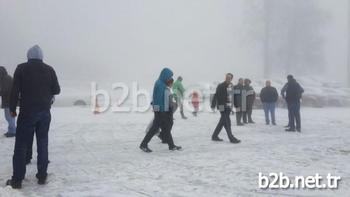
(292,40)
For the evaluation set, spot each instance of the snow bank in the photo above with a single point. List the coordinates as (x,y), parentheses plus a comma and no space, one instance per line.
(9,192)
(317,94)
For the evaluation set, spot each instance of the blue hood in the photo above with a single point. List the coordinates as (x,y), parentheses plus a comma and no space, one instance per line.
(165,75)
(159,96)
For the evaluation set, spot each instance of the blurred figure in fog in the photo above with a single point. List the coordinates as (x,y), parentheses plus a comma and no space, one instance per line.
(238,94)
(249,101)
(269,97)
(5,91)
(195,102)
(179,92)
(292,92)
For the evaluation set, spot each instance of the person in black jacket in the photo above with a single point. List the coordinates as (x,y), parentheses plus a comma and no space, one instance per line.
(238,95)
(283,92)
(223,99)
(269,97)
(293,93)
(249,101)
(5,90)
(35,83)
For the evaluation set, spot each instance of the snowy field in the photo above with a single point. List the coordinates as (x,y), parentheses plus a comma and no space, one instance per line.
(98,155)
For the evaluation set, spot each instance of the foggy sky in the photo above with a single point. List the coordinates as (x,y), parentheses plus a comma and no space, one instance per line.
(131,40)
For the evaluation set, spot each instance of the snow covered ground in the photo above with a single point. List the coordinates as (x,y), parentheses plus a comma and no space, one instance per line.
(98,155)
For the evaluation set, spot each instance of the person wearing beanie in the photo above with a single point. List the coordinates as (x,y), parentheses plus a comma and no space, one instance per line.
(34,86)
(5,90)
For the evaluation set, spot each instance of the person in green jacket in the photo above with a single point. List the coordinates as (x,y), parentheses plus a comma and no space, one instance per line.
(179,91)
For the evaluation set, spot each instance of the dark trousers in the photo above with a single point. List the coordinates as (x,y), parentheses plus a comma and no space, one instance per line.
(27,125)
(247,115)
(294,115)
(29,154)
(163,121)
(239,115)
(225,121)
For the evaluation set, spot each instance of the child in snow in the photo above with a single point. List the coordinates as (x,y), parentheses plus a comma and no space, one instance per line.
(195,102)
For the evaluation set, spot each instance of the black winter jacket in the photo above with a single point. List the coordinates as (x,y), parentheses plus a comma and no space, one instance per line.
(220,98)
(294,91)
(269,95)
(34,85)
(238,92)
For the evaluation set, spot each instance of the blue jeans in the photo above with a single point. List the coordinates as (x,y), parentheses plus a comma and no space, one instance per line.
(10,120)
(27,125)
(269,108)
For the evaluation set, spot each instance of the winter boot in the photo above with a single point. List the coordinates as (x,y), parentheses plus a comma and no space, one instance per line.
(41,180)
(10,135)
(216,139)
(235,140)
(175,148)
(145,149)
(14,185)
(290,130)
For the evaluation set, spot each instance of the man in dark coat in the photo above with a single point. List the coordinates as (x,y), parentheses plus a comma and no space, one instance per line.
(283,93)
(293,94)
(223,99)
(269,97)
(5,91)
(34,85)
(249,101)
(238,99)
(163,113)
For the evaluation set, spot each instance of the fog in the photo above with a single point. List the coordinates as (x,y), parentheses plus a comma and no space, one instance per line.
(131,40)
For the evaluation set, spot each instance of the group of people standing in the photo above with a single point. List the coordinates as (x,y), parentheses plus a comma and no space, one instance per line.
(35,83)
(227,97)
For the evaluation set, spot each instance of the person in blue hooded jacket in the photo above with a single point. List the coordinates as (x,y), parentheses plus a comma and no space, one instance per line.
(163,116)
